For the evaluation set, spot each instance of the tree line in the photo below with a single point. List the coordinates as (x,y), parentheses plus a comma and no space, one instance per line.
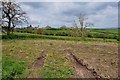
(13,15)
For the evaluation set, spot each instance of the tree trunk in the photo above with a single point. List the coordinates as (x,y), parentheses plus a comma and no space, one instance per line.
(8,29)
(8,32)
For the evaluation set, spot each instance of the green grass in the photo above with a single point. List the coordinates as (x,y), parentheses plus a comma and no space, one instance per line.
(56,66)
(100,55)
(91,33)
(109,31)
(12,68)
(24,36)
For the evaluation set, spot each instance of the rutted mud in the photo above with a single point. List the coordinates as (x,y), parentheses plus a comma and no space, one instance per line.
(40,60)
(82,69)
(37,64)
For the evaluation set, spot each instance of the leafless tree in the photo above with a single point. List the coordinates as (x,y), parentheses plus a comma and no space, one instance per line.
(82,24)
(12,15)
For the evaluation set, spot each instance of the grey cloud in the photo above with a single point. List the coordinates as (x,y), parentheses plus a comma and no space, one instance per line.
(88,8)
(60,13)
(33,4)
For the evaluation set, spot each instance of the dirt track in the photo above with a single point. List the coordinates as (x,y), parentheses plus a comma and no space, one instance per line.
(102,56)
(82,69)
(38,63)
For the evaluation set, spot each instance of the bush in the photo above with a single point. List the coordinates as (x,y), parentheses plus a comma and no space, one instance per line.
(13,36)
(90,35)
(40,31)
(101,35)
(118,38)
(61,34)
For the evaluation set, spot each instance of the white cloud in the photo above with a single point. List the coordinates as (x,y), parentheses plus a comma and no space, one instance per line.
(106,18)
(68,0)
(57,14)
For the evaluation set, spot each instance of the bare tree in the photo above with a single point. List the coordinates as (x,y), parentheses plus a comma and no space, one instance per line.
(82,25)
(12,15)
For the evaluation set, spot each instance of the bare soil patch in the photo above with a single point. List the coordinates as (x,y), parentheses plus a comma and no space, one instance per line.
(82,69)
(102,56)
(37,64)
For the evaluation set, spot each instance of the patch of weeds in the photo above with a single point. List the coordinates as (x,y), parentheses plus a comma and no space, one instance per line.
(56,67)
(11,68)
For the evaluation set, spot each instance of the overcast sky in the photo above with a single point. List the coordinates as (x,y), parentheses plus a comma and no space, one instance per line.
(56,14)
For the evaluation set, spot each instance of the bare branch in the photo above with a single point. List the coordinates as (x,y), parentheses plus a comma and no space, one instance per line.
(12,14)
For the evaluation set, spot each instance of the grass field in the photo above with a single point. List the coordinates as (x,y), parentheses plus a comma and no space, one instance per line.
(111,31)
(90,33)
(25,36)
(28,55)
(102,56)
(59,40)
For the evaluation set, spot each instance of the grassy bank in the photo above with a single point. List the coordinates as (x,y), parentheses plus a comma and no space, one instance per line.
(24,36)
(91,33)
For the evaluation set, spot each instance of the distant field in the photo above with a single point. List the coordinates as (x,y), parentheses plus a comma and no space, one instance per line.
(19,55)
(38,36)
(31,55)
(90,33)
(62,34)
(111,31)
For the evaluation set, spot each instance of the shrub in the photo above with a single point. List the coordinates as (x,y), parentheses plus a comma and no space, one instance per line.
(40,31)
(90,35)
(99,35)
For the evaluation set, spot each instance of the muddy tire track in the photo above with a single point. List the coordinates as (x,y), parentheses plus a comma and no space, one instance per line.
(82,69)
(37,64)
